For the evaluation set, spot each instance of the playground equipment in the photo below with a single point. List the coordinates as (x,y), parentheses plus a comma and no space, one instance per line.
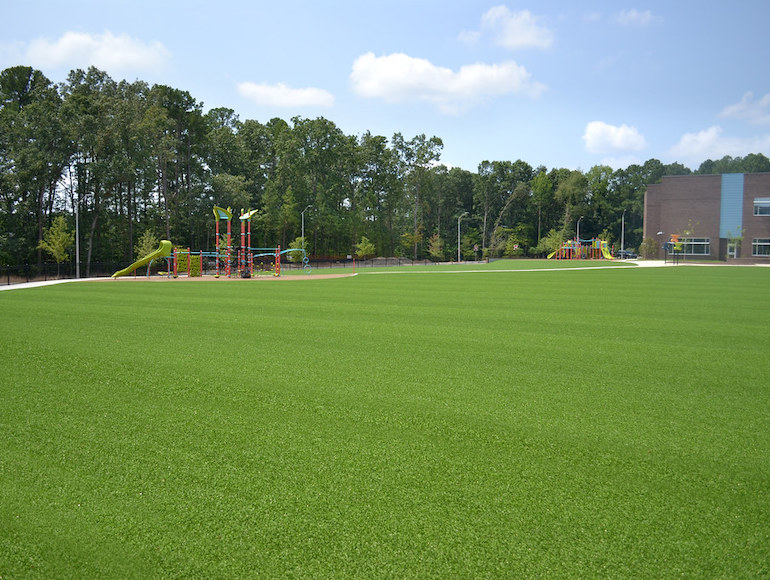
(246,254)
(578,249)
(221,213)
(193,261)
(163,251)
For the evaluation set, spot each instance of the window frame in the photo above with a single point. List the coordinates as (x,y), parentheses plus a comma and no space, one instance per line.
(762,206)
(756,244)
(690,244)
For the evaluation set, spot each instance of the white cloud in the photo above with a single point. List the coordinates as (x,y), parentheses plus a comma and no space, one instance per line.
(600,138)
(635,18)
(512,30)
(756,112)
(402,78)
(112,53)
(281,95)
(711,144)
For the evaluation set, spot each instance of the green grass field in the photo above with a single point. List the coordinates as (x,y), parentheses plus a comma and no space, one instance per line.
(596,423)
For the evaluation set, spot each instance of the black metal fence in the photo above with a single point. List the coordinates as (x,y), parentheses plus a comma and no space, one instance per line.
(373,263)
(32,272)
(29,272)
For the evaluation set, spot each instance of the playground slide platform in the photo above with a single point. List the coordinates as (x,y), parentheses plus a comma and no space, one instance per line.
(163,251)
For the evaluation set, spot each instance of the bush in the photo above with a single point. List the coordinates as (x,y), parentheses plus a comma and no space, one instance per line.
(649,249)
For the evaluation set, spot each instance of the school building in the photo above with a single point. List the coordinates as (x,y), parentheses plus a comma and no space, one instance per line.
(727,216)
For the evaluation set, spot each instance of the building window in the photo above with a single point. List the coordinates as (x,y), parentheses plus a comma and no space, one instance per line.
(762,206)
(760,247)
(696,246)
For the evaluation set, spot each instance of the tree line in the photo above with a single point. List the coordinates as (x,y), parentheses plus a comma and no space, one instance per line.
(130,158)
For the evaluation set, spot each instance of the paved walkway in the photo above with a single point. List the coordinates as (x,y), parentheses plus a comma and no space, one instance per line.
(42,283)
(649,263)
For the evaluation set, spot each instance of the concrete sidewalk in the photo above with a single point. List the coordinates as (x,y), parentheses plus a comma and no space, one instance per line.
(44,283)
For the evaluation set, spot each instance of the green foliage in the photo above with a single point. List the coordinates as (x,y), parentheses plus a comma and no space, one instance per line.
(223,250)
(752,163)
(607,236)
(498,242)
(513,247)
(736,238)
(436,248)
(58,239)
(649,248)
(409,240)
(297,244)
(551,242)
(148,242)
(689,231)
(365,249)
(470,240)
(230,191)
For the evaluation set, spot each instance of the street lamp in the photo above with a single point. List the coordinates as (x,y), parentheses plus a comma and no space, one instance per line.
(623,231)
(462,215)
(663,245)
(303,224)
(578,229)
(77,239)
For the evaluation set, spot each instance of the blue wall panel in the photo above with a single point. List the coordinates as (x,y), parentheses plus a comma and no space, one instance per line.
(731,214)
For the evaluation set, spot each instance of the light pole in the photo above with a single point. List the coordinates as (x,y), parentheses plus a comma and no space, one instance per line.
(661,245)
(77,239)
(578,229)
(623,231)
(303,224)
(462,215)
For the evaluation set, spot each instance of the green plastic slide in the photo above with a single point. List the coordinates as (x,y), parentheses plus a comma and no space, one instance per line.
(163,250)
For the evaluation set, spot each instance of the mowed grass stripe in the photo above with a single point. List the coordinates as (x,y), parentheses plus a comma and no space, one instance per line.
(569,423)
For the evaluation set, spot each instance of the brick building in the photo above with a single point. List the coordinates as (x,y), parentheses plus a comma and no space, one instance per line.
(717,210)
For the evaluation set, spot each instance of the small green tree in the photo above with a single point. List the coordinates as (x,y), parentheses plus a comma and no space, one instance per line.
(498,241)
(436,248)
(469,243)
(146,244)
(649,248)
(365,249)
(409,240)
(57,240)
(736,239)
(297,244)
(513,247)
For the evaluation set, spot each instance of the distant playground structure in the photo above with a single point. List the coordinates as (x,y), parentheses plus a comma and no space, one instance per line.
(577,249)
(229,261)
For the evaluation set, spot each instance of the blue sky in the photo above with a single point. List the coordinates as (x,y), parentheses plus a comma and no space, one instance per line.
(557,83)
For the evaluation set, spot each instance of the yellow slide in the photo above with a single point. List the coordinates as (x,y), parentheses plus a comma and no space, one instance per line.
(163,250)
(606,253)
